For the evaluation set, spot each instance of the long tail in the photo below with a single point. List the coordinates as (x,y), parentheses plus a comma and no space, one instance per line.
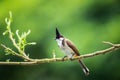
(84,68)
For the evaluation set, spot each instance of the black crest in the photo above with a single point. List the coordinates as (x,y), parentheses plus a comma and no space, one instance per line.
(58,35)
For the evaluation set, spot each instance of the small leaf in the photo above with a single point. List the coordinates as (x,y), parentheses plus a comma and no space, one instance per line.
(6,20)
(4,33)
(32,43)
(7,53)
(29,31)
(10,13)
(17,33)
(8,60)
(28,55)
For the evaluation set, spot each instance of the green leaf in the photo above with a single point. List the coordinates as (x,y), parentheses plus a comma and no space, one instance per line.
(4,33)
(8,60)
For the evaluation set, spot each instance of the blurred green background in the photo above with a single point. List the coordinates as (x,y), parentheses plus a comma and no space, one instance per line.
(86,22)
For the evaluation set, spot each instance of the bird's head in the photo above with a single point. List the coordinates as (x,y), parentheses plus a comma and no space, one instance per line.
(58,35)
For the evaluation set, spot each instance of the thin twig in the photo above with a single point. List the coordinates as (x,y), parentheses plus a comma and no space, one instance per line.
(15,53)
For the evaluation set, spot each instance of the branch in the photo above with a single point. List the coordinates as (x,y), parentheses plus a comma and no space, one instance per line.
(50,60)
(10,51)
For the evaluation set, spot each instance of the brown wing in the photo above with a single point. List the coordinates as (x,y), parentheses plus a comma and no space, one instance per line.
(72,46)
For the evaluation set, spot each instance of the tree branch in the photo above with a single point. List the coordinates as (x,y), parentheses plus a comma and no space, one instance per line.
(49,60)
(15,53)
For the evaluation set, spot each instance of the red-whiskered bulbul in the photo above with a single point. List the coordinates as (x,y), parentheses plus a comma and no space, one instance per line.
(70,50)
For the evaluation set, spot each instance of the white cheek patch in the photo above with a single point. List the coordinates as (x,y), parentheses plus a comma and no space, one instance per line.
(59,42)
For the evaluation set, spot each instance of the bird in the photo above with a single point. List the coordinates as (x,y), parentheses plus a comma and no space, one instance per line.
(70,50)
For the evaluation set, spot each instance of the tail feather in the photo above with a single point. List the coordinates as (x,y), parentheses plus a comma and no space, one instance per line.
(84,68)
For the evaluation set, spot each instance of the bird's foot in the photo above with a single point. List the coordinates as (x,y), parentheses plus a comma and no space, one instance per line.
(64,58)
(71,58)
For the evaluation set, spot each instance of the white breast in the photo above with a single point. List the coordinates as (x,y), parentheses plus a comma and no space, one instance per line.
(59,42)
(68,51)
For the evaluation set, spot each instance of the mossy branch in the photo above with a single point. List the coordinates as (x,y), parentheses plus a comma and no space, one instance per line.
(22,43)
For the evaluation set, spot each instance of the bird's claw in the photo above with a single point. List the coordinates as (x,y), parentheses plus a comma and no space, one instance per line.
(71,58)
(63,59)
